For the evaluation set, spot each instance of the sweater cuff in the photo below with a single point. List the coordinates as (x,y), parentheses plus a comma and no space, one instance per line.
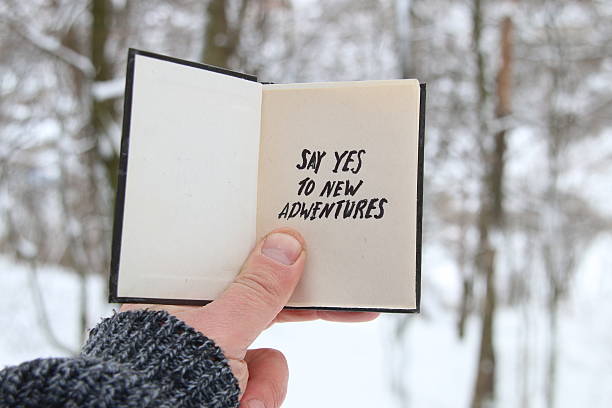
(187,365)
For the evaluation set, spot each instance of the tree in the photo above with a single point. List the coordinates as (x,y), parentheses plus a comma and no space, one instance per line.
(222,37)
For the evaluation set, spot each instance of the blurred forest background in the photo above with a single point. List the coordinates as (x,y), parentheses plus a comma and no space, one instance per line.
(518,170)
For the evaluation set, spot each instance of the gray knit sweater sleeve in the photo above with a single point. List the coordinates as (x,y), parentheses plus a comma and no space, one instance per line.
(132,359)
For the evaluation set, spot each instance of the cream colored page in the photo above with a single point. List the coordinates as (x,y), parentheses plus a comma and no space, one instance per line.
(352,262)
(191,192)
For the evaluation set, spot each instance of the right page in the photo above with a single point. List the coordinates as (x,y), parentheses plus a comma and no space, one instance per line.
(339,163)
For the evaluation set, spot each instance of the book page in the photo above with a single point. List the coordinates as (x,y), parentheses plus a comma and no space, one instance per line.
(191,188)
(338,162)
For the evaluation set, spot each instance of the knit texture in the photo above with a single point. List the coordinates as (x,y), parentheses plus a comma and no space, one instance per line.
(133,359)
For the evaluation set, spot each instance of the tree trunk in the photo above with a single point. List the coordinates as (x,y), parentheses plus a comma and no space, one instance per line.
(221,38)
(484,389)
(405,38)
(491,211)
(502,110)
(552,350)
(42,314)
(466,303)
(102,112)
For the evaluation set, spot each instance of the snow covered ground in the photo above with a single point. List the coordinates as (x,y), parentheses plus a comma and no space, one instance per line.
(337,365)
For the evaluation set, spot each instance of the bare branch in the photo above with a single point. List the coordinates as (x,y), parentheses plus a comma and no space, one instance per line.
(52,46)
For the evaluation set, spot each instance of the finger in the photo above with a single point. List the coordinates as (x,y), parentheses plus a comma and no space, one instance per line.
(286,316)
(131,306)
(268,377)
(258,293)
(138,306)
(178,311)
(347,317)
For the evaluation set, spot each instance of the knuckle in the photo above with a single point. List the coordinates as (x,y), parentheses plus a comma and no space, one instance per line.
(241,372)
(280,356)
(262,286)
(276,392)
(274,354)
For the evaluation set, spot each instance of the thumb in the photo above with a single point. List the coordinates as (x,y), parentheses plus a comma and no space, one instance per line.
(268,377)
(261,290)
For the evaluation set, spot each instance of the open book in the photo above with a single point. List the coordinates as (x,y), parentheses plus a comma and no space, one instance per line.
(212,160)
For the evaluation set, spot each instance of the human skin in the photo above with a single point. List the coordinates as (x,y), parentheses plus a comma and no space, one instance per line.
(251,303)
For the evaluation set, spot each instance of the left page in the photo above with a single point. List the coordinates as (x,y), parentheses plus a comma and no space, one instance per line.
(190,195)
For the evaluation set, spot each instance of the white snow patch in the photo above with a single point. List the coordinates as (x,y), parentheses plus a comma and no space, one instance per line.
(111,89)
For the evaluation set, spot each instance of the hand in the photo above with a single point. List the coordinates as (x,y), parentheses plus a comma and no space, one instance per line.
(250,304)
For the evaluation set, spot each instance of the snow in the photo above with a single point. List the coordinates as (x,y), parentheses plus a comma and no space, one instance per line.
(105,90)
(334,364)
(342,364)
(22,338)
